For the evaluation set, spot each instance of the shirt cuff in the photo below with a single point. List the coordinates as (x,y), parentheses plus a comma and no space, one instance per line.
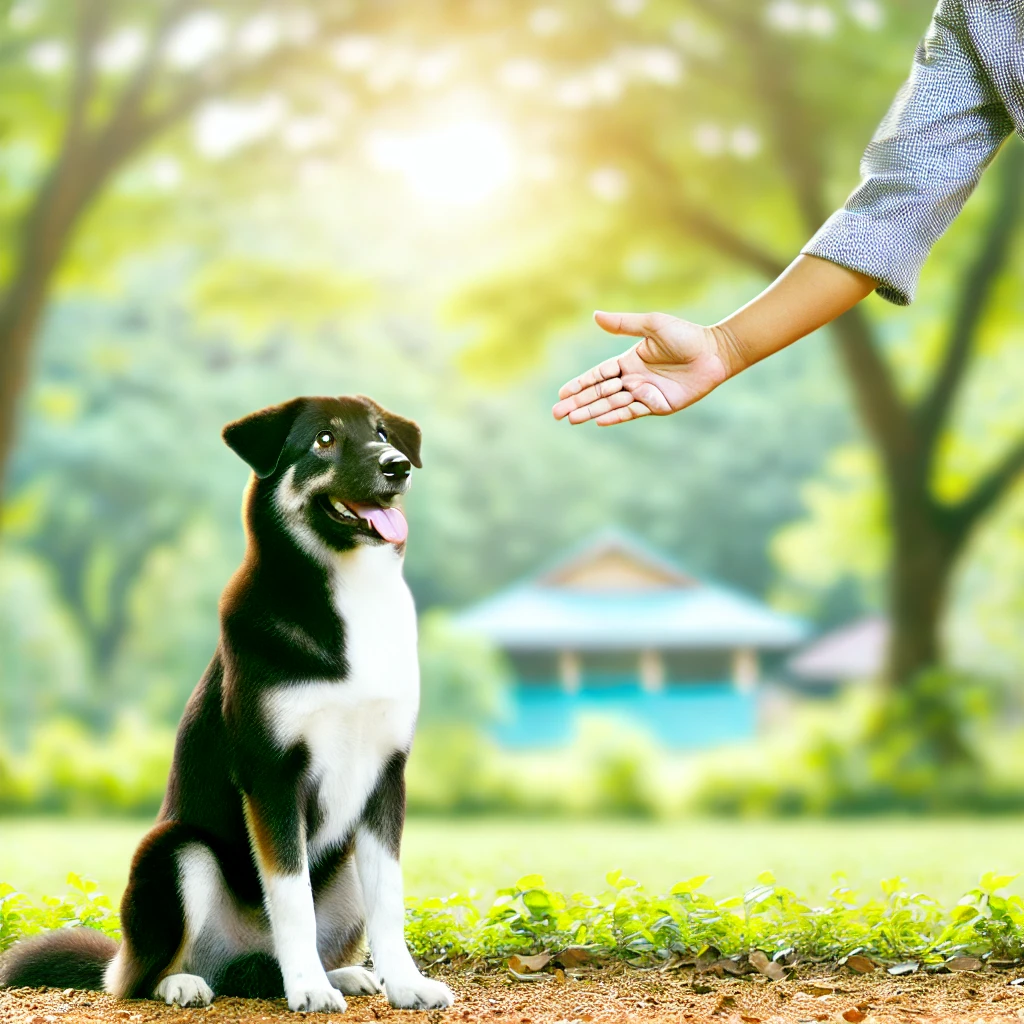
(874,247)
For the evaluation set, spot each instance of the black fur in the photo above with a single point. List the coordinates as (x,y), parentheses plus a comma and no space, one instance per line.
(229,778)
(385,810)
(65,958)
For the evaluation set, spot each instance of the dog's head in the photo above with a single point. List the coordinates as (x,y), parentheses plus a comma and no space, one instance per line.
(334,468)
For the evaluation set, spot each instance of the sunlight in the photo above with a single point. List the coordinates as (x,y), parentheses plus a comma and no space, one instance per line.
(456,164)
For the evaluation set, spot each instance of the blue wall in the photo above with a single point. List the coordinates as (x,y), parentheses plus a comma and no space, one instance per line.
(686,716)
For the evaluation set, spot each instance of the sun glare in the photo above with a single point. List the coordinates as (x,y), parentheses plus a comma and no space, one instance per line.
(456,164)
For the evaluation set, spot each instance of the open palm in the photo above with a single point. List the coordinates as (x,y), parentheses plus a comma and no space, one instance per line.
(673,365)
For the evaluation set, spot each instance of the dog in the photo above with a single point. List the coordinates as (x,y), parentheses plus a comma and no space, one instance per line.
(277,846)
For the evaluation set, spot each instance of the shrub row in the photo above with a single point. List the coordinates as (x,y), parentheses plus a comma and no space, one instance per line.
(628,923)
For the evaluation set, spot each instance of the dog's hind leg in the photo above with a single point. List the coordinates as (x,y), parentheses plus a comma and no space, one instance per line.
(176,941)
(152,916)
(204,951)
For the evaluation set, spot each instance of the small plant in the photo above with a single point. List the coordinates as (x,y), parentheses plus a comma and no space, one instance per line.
(628,923)
(82,905)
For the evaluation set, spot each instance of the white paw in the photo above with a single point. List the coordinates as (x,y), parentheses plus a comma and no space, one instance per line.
(418,993)
(185,990)
(354,981)
(316,1000)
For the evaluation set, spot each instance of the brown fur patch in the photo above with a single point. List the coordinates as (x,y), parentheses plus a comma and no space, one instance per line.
(261,839)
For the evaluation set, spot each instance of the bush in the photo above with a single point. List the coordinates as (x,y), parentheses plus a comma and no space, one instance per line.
(628,923)
(69,769)
(927,748)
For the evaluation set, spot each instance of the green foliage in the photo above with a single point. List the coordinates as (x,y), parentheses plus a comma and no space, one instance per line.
(463,679)
(68,768)
(607,771)
(129,527)
(922,749)
(83,905)
(40,651)
(628,923)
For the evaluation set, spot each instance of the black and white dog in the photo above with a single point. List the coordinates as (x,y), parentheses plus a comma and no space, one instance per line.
(277,844)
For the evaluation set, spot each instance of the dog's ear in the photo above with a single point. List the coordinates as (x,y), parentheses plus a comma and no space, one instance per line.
(260,437)
(405,436)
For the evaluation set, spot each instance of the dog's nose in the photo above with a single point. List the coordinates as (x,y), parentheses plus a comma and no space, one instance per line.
(395,465)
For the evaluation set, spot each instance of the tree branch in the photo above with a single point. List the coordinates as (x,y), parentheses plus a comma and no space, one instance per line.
(90,22)
(130,101)
(699,223)
(127,134)
(724,240)
(991,487)
(935,407)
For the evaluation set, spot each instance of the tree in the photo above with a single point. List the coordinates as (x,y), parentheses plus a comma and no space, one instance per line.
(759,121)
(90,86)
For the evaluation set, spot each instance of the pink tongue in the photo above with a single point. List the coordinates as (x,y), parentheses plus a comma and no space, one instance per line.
(388,522)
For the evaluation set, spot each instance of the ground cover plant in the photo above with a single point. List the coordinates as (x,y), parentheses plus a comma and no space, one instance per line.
(768,930)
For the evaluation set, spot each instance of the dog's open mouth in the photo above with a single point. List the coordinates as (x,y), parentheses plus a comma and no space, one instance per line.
(388,523)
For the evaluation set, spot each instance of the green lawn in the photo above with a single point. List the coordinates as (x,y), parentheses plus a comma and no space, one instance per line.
(942,857)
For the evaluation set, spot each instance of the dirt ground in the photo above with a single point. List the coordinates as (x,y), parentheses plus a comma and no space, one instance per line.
(595,997)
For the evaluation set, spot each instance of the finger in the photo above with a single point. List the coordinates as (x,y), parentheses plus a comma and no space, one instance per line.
(634,324)
(601,406)
(603,371)
(633,411)
(602,389)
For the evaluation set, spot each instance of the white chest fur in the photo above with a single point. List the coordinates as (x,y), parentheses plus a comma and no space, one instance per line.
(352,726)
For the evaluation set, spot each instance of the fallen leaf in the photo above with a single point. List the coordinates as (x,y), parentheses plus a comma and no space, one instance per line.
(853,1015)
(527,977)
(860,964)
(729,966)
(573,956)
(769,968)
(964,963)
(525,964)
(907,967)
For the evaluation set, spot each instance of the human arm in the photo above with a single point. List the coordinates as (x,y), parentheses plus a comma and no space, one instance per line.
(677,362)
(925,159)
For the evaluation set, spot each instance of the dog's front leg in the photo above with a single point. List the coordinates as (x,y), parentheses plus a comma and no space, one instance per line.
(277,834)
(378,839)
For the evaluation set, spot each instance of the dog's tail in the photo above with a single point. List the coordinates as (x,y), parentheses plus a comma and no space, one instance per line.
(65,958)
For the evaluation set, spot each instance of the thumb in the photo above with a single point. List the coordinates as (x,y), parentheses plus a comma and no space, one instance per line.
(634,324)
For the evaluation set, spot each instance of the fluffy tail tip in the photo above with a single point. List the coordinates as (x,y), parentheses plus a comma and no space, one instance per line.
(65,958)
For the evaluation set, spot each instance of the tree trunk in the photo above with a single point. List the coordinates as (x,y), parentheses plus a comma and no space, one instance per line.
(925,551)
(43,239)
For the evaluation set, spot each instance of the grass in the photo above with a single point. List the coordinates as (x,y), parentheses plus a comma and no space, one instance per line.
(942,857)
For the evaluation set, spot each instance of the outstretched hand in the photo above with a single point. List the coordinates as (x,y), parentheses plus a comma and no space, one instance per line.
(673,365)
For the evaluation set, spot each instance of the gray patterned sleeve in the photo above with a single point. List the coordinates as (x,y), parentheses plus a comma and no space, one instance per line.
(925,159)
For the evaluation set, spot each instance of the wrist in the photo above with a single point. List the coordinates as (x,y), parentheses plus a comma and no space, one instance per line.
(730,349)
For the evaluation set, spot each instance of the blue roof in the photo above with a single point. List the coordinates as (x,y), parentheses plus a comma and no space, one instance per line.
(681,612)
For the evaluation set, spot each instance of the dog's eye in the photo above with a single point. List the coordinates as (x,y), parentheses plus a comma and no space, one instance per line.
(324,439)
(382,433)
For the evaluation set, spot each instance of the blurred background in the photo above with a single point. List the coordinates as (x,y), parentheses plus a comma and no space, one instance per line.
(780,630)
